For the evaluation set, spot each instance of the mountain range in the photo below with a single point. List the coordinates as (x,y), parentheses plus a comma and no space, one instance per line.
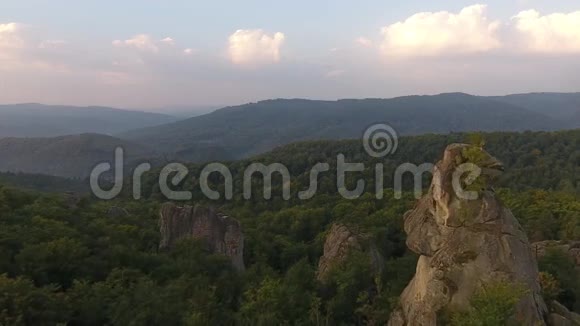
(242,131)
(561,106)
(37,120)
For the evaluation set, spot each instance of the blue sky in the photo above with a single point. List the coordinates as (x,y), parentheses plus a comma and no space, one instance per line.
(166,53)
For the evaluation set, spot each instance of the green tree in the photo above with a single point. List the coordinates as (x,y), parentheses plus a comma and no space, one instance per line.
(21,303)
(492,305)
(59,261)
(561,266)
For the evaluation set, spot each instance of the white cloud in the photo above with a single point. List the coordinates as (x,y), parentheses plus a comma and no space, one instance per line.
(10,37)
(168,41)
(438,33)
(142,42)
(555,33)
(254,46)
(189,51)
(363,41)
(11,46)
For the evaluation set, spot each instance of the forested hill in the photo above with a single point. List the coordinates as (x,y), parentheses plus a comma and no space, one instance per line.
(546,160)
(44,183)
(246,130)
(562,106)
(66,156)
(98,263)
(533,160)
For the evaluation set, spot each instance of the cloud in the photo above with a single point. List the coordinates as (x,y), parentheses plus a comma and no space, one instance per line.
(555,33)
(363,41)
(12,45)
(142,42)
(440,33)
(152,68)
(189,51)
(10,36)
(254,46)
(168,41)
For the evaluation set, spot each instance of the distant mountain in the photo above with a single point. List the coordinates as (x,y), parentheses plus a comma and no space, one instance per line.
(244,130)
(562,106)
(37,120)
(65,156)
(44,183)
(186,111)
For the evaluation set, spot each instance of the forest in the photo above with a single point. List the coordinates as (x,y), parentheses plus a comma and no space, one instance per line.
(73,262)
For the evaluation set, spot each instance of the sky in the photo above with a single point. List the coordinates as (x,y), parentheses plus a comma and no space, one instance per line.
(169,53)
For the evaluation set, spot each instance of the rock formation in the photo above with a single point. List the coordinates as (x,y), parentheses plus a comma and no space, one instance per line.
(221,234)
(465,244)
(561,316)
(340,241)
(571,248)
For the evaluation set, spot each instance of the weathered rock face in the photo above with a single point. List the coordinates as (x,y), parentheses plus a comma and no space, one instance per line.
(222,234)
(340,241)
(571,248)
(561,316)
(463,245)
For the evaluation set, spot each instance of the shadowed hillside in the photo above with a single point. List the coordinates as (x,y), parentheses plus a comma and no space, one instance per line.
(65,156)
(37,120)
(254,128)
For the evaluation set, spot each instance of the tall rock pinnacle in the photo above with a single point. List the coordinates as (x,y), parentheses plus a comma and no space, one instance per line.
(464,245)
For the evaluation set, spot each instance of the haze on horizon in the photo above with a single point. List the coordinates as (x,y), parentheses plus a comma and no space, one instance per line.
(199,53)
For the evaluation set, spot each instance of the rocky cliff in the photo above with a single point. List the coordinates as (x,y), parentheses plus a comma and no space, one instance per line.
(222,234)
(465,244)
(561,316)
(340,241)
